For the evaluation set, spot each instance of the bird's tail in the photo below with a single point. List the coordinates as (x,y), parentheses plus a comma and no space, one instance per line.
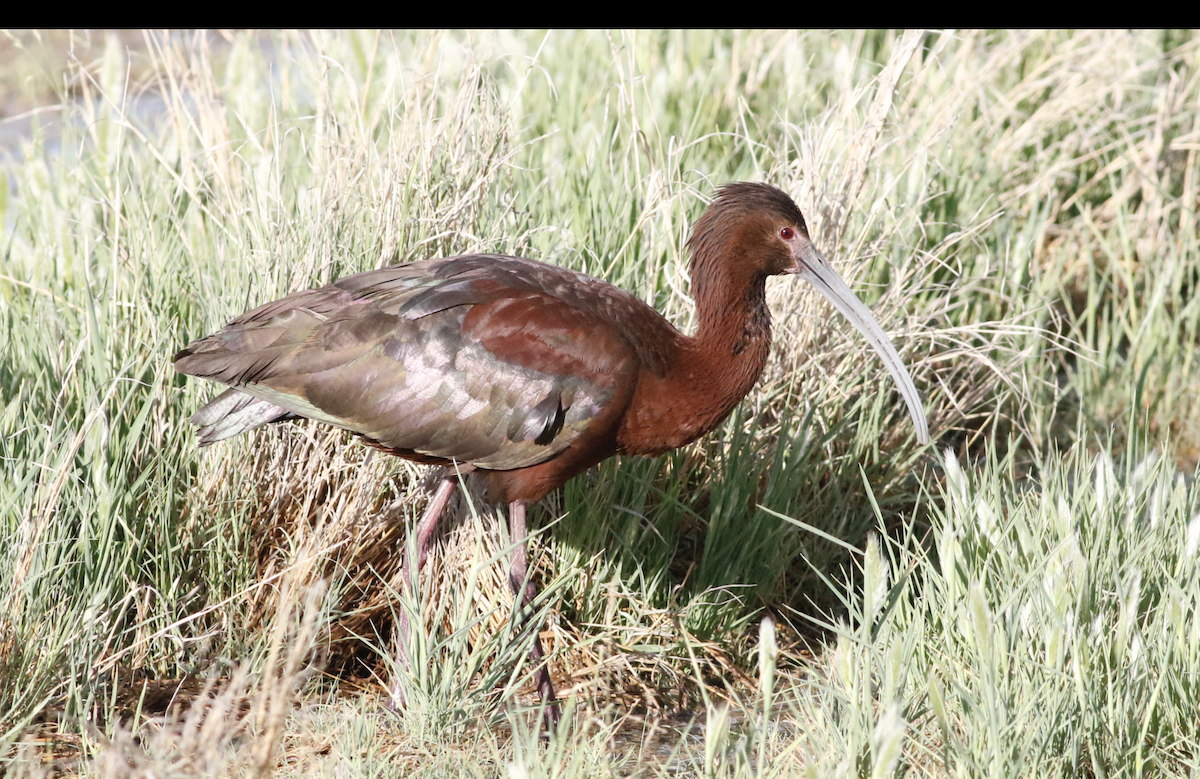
(233,412)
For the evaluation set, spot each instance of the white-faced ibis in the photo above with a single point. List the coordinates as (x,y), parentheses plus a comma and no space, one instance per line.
(527,372)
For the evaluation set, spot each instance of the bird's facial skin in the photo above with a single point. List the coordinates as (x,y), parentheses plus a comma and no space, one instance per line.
(798,245)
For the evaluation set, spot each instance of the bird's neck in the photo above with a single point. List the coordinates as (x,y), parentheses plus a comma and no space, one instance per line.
(710,373)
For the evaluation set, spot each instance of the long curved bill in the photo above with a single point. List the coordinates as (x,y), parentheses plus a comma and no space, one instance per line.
(817,271)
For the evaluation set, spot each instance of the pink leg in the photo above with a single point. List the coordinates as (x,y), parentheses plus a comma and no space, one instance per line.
(525,592)
(425,530)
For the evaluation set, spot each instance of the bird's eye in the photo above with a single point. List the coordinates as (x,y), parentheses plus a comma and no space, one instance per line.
(786,233)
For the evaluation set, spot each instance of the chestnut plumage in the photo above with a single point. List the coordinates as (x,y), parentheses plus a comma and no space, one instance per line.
(527,372)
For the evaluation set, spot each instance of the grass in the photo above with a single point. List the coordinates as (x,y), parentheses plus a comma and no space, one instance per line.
(803,592)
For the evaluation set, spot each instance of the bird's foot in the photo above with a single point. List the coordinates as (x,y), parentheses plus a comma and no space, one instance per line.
(551,717)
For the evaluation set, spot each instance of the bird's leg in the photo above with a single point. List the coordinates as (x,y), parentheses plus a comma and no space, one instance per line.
(425,528)
(524,592)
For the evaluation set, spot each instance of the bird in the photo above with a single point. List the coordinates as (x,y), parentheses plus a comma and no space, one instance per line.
(524,372)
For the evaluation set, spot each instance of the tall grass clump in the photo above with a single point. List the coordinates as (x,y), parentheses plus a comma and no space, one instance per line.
(1018,209)
(1041,632)
(1037,632)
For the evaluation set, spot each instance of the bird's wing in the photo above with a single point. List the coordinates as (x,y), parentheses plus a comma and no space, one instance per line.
(495,361)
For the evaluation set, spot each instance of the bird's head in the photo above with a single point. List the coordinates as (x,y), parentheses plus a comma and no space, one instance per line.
(751,231)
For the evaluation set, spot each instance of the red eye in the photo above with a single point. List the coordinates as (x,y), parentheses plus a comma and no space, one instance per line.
(786,233)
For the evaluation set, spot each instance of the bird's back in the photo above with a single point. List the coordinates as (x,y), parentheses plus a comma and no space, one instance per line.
(500,362)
